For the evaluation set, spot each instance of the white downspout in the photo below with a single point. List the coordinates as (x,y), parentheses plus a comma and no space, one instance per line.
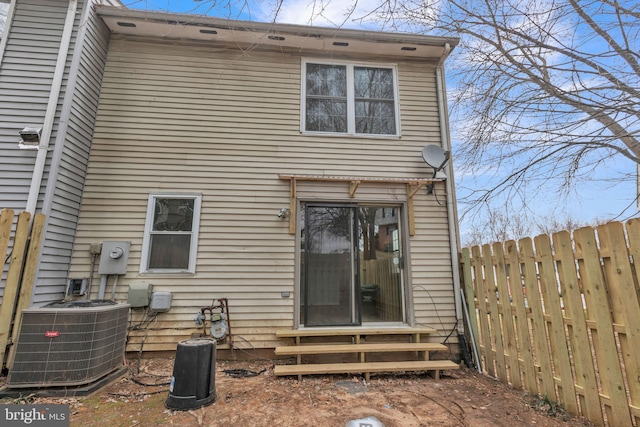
(38,169)
(7,27)
(452,215)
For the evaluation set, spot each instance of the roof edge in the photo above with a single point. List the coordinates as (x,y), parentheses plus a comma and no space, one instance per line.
(275,28)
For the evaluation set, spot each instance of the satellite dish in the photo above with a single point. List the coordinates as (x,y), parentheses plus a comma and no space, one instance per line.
(435,156)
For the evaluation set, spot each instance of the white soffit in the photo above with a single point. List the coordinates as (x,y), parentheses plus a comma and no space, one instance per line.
(243,33)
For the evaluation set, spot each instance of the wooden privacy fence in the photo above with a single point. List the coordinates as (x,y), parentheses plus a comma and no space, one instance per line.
(383,272)
(560,318)
(21,271)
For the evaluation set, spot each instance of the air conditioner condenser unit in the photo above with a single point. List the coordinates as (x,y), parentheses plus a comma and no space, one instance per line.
(69,344)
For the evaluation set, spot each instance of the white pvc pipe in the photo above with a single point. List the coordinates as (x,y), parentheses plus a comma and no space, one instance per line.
(54,94)
(452,216)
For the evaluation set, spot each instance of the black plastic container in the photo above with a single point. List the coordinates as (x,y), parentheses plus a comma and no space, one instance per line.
(193,383)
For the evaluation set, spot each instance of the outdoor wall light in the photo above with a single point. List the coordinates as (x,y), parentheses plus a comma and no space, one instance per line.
(284,213)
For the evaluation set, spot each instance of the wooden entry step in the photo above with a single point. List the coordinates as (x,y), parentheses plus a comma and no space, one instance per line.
(363,341)
(292,350)
(354,332)
(367,367)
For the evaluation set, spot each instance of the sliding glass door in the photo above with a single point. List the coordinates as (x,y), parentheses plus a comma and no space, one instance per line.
(351,262)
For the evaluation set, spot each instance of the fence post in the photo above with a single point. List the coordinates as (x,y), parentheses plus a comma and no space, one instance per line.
(16,260)
(27,279)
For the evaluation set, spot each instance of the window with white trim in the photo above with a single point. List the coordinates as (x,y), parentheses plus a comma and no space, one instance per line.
(171,234)
(350,99)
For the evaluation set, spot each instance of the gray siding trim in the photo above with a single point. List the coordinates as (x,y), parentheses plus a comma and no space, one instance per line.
(69,163)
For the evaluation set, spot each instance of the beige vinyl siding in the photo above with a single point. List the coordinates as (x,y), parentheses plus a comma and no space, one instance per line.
(433,293)
(224,123)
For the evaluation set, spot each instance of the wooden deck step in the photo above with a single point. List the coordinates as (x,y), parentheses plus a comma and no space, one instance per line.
(367,367)
(334,332)
(358,348)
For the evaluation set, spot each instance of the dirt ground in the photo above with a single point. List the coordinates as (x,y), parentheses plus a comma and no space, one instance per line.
(459,398)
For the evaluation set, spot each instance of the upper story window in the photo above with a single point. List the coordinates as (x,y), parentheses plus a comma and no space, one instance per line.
(171,234)
(349,99)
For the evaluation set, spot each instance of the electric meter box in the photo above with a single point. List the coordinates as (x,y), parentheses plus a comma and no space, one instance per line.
(114,257)
(160,301)
(139,294)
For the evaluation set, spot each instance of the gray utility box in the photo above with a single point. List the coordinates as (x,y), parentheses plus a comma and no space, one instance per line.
(139,294)
(160,301)
(114,257)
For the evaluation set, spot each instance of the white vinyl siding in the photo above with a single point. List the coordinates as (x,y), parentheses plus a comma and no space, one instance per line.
(225,123)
